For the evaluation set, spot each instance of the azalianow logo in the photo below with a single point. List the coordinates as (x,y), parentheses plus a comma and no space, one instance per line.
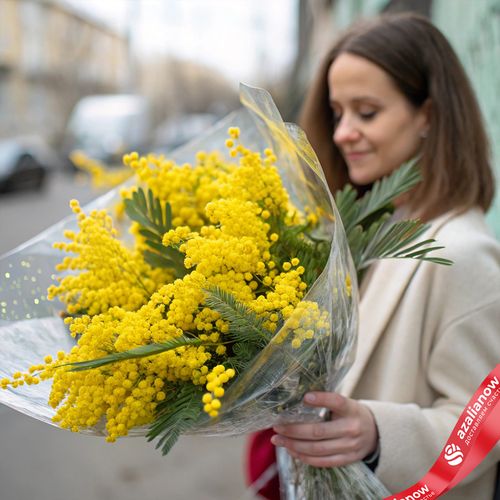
(453,454)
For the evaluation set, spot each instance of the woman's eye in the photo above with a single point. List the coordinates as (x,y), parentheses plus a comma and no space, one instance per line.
(367,115)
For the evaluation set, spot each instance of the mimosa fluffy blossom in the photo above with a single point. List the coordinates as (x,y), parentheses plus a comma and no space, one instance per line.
(226,221)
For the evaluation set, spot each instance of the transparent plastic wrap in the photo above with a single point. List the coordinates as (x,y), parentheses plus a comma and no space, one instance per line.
(301,482)
(271,389)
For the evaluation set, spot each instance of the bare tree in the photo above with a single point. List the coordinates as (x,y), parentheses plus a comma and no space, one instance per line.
(177,86)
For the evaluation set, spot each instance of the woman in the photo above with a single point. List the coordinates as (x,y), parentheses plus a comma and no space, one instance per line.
(390,89)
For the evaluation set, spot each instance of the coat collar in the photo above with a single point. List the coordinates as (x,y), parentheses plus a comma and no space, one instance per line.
(381,293)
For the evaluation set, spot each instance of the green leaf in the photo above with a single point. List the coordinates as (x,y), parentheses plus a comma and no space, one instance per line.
(438,260)
(159,247)
(411,248)
(168,215)
(393,240)
(138,352)
(347,206)
(177,414)
(359,238)
(244,325)
(384,191)
(147,211)
(393,234)
(136,215)
(150,235)
(140,199)
(156,260)
(418,253)
(240,362)
(366,221)
(158,212)
(151,205)
(168,252)
(378,200)
(167,261)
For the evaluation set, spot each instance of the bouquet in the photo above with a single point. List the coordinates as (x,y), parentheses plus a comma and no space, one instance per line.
(224,290)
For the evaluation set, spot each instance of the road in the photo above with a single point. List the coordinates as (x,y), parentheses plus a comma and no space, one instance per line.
(40,462)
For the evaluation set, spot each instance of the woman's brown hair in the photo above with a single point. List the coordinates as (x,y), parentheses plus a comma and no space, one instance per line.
(456,169)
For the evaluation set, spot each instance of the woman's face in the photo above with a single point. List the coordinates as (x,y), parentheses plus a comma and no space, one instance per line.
(376,127)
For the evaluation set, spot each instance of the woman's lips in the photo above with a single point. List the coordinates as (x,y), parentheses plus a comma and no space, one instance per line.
(355,155)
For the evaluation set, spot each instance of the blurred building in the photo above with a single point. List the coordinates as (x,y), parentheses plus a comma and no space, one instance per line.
(50,55)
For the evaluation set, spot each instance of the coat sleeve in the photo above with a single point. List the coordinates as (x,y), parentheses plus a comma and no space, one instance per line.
(407,430)
(464,325)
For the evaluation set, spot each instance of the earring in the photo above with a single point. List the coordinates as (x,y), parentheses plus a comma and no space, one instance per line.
(423,134)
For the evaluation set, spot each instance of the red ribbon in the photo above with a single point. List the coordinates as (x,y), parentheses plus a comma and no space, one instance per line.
(476,432)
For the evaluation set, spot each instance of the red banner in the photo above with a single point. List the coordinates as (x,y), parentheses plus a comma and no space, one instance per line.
(476,432)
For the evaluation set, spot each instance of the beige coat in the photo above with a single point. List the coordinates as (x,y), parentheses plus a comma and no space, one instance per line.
(429,334)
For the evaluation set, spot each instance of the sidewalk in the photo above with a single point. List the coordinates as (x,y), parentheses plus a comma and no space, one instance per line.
(40,462)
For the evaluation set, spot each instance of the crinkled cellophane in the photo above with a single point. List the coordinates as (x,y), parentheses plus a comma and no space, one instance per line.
(272,388)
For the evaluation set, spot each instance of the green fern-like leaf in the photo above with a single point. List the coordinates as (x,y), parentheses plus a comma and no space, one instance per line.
(385,191)
(148,212)
(244,325)
(366,221)
(246,333)
(240,360)
(170,257)
(347,206)
(158,260)
(155,221)
(139,352)
(176,415)
(359,239)
(243,354)
(391,240)
(378,200)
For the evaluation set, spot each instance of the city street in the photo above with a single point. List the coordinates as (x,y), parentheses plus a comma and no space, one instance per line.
(41,462)
(387,108)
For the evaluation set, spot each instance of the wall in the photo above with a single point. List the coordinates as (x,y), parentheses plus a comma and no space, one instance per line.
(51,55)
(473,28)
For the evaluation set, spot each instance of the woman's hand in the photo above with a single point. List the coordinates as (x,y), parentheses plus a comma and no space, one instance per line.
(348,437)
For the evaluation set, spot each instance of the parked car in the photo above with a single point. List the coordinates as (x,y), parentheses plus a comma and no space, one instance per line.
(25,162)
(104,127)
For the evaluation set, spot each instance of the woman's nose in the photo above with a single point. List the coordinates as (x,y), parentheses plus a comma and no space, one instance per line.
(345,131)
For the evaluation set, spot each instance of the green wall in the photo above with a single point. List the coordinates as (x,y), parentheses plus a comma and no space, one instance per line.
(473,29)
